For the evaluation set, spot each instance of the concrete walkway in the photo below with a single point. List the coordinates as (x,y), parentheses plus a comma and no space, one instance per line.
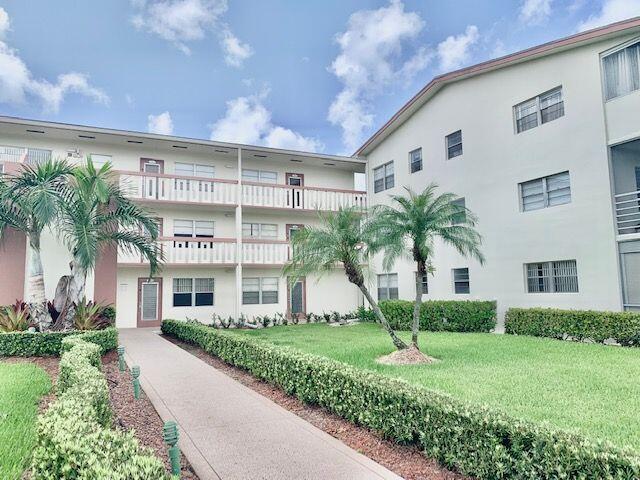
(228,431)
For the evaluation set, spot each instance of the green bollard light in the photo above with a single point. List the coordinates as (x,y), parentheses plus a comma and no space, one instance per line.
(121,366)
(135,373)
(170,436)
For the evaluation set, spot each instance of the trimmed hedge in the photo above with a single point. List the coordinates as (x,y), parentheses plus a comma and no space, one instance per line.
(470,438)
(439,315)
(579,325)
(38,344)
(73,437)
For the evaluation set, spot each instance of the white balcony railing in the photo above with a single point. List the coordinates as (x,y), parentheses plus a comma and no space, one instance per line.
(307,198)
(146,186)
(214,251)
(628,212)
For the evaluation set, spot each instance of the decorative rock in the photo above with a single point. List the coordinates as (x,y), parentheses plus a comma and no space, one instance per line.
(611,341)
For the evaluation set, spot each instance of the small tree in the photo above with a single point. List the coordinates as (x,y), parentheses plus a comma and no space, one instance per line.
(29,203)
(411,224)
(339,239)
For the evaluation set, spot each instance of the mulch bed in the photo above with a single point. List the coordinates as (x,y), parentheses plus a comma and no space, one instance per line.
(139,415)
(406,461)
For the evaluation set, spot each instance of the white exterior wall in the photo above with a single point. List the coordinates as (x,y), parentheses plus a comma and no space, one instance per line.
(496,160)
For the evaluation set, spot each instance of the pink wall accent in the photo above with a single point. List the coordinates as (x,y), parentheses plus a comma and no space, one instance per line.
(13,252)
(106,276)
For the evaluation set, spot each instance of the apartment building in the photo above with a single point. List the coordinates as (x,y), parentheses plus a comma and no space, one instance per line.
(225,213)
(544,147)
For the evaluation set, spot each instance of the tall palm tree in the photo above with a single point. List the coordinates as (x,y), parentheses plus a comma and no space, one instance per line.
(95,214)
(29,202)
(410,225)
(340,238)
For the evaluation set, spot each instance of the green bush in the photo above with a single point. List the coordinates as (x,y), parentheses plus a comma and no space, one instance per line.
(73,437)
(470,438)
(438,315)
(579,325)
(27,344)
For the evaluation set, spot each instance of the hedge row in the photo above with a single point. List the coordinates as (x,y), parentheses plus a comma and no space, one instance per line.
(439,315)
(74,438)
(578,325)
(39,344)
(472,439)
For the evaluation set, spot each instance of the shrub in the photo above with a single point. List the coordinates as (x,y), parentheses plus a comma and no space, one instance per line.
(38,344)
(73,437)
(89,316)
(438,315)
(470,438)
(15,318)
(575,324)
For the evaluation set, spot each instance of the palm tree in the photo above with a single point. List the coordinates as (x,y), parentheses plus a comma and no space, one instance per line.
(339,238)
(415,221)
(29,203)
(95,214)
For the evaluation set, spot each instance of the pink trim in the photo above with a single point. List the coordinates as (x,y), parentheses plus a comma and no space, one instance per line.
(198,239)
(180,202)
(290,187)
(13,254)
(500,62)
(178,177)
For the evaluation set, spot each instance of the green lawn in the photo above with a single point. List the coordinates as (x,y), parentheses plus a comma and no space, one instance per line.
(592,388)
(21,386)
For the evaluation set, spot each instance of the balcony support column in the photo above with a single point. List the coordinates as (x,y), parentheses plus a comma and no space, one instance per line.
(238,302)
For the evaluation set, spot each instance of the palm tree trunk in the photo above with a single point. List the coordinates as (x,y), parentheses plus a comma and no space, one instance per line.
(399,344)
(35,285)
(415,327)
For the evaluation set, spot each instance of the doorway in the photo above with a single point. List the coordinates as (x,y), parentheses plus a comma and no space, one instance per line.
(297,298)
(150,184)
(149,302)
(295,197)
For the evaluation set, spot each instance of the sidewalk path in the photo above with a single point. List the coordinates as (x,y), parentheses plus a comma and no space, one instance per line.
(228,431)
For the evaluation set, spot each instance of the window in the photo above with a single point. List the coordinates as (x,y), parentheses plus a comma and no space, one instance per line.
(415,160)
(259,176)
(36,156)
(460,215)
(622,71)
(99,160)
(268,231)
(423,283)
(193,228)
(461,280)
(262,290)
(539,110)
(552,277)
(185,295)
(388,286)
(545,192)
(454,144)
(194,170)
(383,178)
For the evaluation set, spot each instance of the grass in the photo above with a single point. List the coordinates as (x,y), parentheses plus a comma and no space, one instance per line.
(590,388)
(21,387)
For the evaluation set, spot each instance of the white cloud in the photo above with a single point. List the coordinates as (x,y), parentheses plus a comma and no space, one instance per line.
(235,52)
(160,124)
(535,12)
(184,21)
(17,84)
(248,121)
(371,59)
(454,51)
(4,22)
(131,101)
(611,11)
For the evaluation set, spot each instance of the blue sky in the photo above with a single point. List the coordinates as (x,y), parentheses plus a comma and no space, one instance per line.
(312,75)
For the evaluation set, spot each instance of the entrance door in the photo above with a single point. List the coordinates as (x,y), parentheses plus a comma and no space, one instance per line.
(295,199)
(296,300)
(291,229)
(149,302)
(150,183)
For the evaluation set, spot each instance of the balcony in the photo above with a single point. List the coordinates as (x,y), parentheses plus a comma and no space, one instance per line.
(625,160)
(181,251)
(206,191)
(628,212)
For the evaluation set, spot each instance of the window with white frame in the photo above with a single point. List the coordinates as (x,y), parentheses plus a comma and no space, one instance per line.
(460,211)
(545,192)
(188,292)
(560,276)
(415,160)
(388,286)
(259,176)
(36,156)
(99,159)
(194,170)
(541,109)
(424,284)
(454,144)
(266,231)
(259,290)
(383,177)
(621,71)
(193,228)
(461,282)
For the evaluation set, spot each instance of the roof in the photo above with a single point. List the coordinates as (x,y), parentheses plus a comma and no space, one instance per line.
(431,88)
